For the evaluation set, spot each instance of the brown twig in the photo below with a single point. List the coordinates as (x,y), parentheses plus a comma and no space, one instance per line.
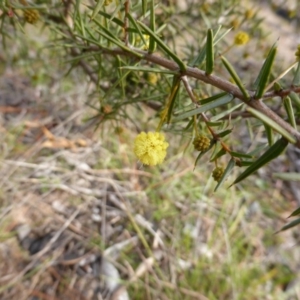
(213,80)
(203,115)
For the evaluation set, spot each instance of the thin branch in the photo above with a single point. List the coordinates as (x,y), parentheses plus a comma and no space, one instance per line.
(203,115)
(213,80)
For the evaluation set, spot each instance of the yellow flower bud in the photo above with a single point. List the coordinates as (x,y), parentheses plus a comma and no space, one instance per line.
(241,38)
(150,148)
(235,23)
(31,16)
(201,143)
(249,13)
(217,173)
(152,78)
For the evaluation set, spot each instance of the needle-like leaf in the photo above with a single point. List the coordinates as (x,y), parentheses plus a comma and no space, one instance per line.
(264,73)
(296,80)
(271,123)
(227,171)
(235,77)
(209,52)
(273,152)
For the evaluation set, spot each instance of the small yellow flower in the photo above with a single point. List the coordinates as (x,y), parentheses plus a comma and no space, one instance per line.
(140,44)
(150,148)
(152,78)
(241,38)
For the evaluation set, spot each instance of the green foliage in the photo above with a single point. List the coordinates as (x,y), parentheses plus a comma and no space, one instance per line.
(118,44)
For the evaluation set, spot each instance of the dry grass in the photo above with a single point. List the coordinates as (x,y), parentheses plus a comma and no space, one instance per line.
(74,215)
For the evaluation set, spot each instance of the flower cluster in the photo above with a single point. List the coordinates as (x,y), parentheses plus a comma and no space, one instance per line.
(201,143)
(31,16)
(217,173)
(150,148)
(241,38)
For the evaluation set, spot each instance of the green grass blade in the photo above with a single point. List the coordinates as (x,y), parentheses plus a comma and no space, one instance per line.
(296,80)
(272,124)
(209,52)
(227,171)
(235,77)
(167,50)
(219,102)
(287,102)
(264,73)
(273,152)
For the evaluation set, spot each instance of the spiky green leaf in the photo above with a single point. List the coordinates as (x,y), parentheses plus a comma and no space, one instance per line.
(287,102)
(226,112)
(263,76)
(97,8)
(235,77)
(218,102)
(265,119)
(274,151)
(290,225)
(218,154)
(163,46)
(296,80)
(269,133)
(227,171)
(209,52)
(152,43)
(295,212)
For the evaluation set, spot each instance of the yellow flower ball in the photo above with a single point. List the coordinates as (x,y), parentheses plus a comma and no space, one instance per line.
(241,38)
(152,78)
(150,148)
(249,14)
(217,173)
